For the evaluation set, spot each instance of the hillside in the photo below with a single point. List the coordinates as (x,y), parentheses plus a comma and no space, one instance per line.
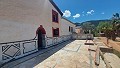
(94,22)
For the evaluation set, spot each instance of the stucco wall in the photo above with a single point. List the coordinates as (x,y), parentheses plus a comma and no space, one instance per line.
(65,27)
(19,19)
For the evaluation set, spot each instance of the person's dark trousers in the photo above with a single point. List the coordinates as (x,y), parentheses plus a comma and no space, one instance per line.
(43,41)
(39,40)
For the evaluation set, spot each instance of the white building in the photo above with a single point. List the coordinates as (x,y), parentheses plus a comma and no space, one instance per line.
(67,27)
(19,20)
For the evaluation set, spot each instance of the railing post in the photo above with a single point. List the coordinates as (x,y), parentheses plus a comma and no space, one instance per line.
(21,49)
(0,55)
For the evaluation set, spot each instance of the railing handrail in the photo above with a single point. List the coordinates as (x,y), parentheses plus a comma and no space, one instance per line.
(26,40)
(17,41)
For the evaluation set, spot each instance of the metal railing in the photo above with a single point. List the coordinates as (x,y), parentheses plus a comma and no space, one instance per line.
(17,49)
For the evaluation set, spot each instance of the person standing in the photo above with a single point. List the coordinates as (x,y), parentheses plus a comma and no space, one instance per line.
(41,33)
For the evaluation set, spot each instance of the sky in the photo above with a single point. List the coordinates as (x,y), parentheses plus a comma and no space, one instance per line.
(86,10)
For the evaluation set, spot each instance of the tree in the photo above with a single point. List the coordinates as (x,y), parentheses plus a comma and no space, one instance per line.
(116,16)
(106,27)
(116,25)
(88,27)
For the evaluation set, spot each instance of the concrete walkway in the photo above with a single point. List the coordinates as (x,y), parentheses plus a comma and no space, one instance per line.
(113,60)
(68,55)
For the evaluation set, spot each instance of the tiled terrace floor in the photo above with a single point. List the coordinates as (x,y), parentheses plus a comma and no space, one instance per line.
(68,55)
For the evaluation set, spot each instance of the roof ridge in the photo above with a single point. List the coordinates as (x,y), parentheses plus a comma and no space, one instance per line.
(51,1)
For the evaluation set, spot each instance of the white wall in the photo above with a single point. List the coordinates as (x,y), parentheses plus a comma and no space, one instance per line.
(65,27)
(19,19)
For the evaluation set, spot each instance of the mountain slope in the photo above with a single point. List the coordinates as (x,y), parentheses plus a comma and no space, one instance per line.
(94,22)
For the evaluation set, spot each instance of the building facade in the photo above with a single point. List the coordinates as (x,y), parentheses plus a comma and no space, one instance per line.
(67,27)
(19,20)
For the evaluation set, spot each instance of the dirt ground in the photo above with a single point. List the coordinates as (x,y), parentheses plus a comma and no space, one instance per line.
(118,41)
(114,44)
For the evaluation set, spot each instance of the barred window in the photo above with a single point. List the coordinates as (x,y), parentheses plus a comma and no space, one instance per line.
(54,16)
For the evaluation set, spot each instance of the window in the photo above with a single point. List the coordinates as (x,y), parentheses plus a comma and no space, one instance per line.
(54,16)
(69,28)
(55,32)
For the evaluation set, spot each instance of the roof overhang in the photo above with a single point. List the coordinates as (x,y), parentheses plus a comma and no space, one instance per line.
(51,1)
(68,21)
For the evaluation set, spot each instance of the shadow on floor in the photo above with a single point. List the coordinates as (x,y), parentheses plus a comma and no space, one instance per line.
(38,58)
(50,52)
(108,50)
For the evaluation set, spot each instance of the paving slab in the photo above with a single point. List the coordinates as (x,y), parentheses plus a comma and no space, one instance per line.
(71,55)
(113,60)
